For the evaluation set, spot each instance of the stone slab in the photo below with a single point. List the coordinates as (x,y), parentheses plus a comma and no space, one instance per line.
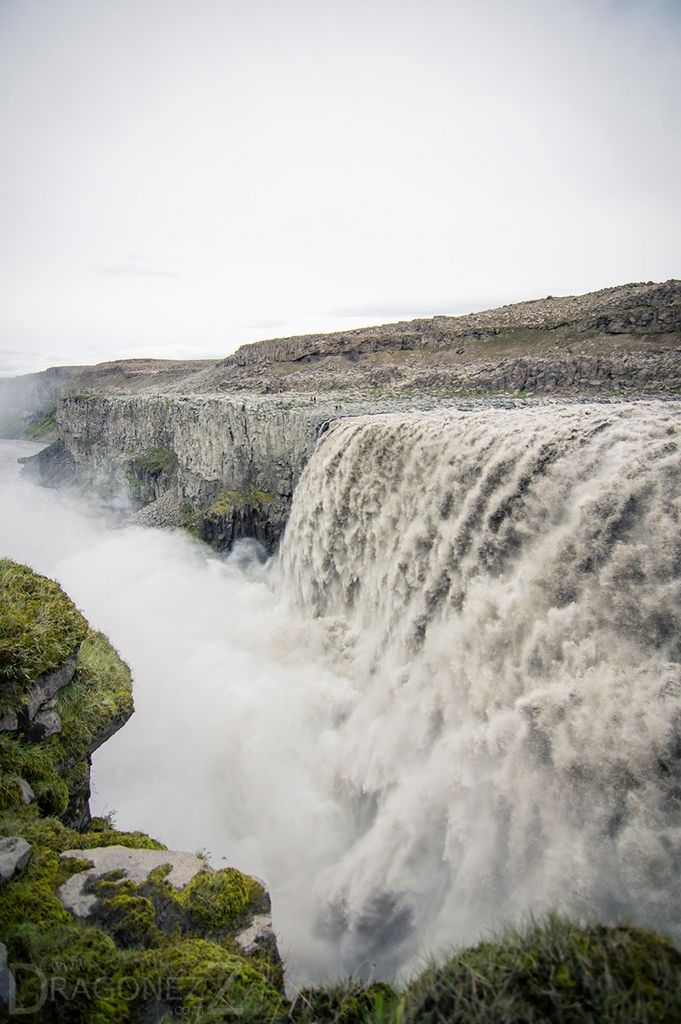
(137,865)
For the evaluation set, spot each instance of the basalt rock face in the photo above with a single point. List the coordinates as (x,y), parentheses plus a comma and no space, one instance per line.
(197,449)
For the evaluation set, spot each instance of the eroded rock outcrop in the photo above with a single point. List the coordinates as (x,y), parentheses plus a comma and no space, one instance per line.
(207,452)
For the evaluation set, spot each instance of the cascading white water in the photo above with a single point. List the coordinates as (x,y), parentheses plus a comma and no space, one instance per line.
(503,589)
(452,699)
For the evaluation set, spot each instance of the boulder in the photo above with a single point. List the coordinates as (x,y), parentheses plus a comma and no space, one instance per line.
(259,937)
(46,723)
(46,686)
(27,794)
(15,854)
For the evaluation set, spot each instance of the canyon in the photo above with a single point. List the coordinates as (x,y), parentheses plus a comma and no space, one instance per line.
(218,446)
(451,696)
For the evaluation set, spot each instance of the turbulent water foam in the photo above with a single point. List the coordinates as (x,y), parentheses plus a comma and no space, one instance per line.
(504,590)
(452,699)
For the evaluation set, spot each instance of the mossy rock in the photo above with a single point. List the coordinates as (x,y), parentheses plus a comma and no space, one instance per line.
(96,702)
(154,462)
(123,967)
(219,900)
(40,628)
(229,501)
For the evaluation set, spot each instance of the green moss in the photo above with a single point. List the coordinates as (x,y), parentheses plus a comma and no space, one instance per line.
(218,899)
(227,501)
(131,920)
(39,628)
(214,984)
(213,905)
(79,964)
(28,761)
(100,693)
(154,461)
(41,424)
(51,834)
(31,895)
(98,699)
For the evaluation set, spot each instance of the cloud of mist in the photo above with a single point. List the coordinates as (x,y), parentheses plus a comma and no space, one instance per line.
(277,162)
(232,699)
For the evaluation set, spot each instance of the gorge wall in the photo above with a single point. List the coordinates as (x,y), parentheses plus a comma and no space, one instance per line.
(219,455)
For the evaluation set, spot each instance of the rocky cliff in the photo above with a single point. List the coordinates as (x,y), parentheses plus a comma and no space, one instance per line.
(218,463)
(219,445)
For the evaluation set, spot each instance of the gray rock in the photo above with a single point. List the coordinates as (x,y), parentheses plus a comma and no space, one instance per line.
(136,864)
(7,986)
(9,722)
(45,723)
(27,794)
(47,685)
(15,854)
(258,936)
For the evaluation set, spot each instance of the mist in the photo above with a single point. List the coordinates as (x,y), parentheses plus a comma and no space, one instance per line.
(232,699)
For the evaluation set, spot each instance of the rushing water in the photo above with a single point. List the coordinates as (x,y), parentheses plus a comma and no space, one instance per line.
(453,699)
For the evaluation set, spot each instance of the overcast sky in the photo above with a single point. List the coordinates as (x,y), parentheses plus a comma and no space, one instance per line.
(181,176)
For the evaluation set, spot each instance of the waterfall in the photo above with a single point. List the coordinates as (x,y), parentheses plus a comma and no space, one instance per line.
(502,590)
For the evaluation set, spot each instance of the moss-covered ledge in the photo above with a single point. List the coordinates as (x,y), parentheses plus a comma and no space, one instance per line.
(148,950)
(235,515)
(40,628)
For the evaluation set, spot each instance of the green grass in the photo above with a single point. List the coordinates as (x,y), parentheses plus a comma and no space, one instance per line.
(39,628)
(154,461)
(41,424)
(552,970)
